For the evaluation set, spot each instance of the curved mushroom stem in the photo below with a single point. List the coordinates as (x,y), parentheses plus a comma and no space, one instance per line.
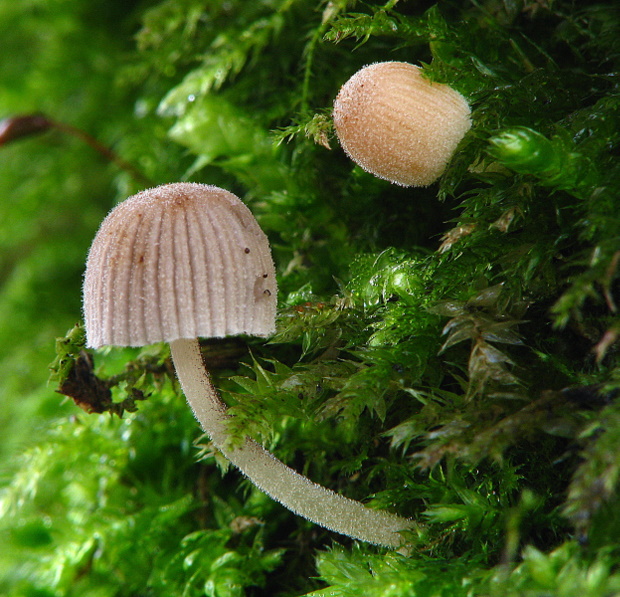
(294,491)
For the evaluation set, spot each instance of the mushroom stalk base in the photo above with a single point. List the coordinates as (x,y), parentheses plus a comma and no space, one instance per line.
(294,491)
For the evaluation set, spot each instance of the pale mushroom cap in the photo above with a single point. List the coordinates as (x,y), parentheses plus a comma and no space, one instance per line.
(182,260)
(398,125)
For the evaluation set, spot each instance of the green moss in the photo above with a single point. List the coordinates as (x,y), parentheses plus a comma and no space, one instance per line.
(449,353)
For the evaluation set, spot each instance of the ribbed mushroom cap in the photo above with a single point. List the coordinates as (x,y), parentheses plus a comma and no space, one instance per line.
(178,261)
(398,125)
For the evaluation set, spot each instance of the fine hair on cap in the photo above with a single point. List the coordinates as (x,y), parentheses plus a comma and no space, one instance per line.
(398,125)
(182,260)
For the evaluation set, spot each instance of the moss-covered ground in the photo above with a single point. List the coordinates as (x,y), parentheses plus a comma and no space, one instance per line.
(449,353)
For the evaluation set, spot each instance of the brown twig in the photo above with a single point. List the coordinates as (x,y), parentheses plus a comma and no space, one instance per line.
(26,125)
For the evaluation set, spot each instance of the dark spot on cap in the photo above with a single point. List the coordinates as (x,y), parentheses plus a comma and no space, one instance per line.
(267,292)
(265,275)
(246,250)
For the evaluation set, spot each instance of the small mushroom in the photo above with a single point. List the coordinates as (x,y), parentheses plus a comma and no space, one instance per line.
(185,260)
(398,125)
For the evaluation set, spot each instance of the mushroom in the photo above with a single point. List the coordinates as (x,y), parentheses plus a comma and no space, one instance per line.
(398,125)
(185,260)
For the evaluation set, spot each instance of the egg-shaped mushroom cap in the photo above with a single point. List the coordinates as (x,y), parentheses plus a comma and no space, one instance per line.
(181,260)
(398,125)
